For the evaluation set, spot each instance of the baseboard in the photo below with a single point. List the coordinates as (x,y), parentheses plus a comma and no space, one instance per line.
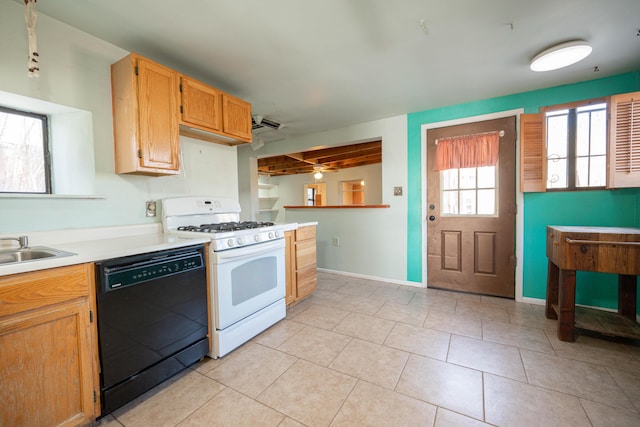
(368,277)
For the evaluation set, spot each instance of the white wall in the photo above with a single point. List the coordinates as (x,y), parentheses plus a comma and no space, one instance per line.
(373,242)
(74,72)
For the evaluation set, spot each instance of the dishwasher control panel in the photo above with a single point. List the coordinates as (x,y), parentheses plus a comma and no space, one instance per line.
(153,267)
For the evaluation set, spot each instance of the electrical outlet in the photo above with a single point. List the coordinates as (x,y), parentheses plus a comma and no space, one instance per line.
(151,208)
(336,241)
(397,191)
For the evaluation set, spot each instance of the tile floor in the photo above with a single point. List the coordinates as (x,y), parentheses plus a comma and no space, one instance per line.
(360,352)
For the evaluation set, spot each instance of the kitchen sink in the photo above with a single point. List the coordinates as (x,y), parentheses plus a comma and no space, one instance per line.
(12,256)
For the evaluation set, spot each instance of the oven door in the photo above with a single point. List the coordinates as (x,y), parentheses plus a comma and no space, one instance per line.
(247,279)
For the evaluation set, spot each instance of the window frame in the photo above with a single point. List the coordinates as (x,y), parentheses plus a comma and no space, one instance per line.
(572,141)
(44,120)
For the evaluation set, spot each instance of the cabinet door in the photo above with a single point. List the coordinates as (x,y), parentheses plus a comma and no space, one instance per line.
(201,105)
(236,117)
(306,281)
(48,348)
(46,369)
(158,116)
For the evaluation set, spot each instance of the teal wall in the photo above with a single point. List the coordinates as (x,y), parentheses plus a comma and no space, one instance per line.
(605,208)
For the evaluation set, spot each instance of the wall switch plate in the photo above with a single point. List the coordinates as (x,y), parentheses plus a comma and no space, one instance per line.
(336,241)
(151,208)
(397,191)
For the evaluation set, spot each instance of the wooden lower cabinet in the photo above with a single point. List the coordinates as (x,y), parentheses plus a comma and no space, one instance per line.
(48,348)
(301,263)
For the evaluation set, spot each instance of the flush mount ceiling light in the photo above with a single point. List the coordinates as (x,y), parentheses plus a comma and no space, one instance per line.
(561,55)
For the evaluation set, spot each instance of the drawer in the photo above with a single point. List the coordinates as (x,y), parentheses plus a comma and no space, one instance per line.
(28,291)
(306,233)
(305,254)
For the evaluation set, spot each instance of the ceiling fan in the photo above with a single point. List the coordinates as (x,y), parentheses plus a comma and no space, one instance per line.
(319,169)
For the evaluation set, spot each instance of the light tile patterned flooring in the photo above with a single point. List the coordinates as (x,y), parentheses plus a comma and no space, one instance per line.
(360,352)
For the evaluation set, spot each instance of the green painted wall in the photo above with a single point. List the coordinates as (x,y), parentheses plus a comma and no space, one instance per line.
(605,208)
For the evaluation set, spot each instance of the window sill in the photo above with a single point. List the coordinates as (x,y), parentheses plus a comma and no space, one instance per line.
(340,207)
(50,196)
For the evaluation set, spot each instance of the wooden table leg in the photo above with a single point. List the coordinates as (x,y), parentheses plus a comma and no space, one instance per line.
(627,292)
(552,291)
(566,305)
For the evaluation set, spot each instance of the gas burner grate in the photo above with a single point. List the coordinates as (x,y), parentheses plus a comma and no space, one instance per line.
(225,226)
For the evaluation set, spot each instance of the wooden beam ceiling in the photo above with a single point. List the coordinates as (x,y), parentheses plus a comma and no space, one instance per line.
(332,158)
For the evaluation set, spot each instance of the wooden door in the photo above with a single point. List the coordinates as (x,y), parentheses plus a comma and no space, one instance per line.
(471,217)
(158,116)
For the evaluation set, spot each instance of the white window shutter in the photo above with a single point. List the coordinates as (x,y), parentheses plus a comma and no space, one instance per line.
(624,141)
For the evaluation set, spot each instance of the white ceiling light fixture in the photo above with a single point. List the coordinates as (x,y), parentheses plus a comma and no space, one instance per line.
(561,55)
(317,175)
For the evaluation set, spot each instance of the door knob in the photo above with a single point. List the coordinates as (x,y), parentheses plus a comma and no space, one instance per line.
(432,218)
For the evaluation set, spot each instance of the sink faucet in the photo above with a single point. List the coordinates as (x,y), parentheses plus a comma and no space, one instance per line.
(22,240)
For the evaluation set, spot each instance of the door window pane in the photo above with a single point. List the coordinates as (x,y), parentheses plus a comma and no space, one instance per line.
(468,191)
(486,202)
(487,177)
(449,179)
(449,202)
(468,202)
(467,178)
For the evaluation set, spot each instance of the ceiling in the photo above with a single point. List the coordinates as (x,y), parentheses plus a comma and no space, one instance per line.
(329,159)
(314,66)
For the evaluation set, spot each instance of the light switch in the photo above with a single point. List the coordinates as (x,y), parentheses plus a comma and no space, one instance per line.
(397,191)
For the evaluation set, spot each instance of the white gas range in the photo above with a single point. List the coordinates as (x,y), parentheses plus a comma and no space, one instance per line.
(246,267)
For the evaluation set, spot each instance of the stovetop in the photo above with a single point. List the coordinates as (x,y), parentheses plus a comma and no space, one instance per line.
(219,218)
(225,226)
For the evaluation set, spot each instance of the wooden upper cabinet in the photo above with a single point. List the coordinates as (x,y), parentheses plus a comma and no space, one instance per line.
(145,120)
(624,141)
(236,117)
(150,112)
(201,105)
(533,153)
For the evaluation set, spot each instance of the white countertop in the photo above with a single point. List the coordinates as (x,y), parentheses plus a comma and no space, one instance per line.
(295,225)
(98,244)
(102,243)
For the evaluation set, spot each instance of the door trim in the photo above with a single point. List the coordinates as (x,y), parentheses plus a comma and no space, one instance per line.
(519,195)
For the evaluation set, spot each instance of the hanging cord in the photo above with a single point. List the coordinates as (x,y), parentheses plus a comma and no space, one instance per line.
(31,18)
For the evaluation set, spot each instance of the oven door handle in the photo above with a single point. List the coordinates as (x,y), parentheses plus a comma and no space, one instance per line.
(248,251)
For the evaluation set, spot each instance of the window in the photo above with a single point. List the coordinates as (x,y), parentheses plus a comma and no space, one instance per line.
(577,147)
(590,143)
(468,191)
(24,153)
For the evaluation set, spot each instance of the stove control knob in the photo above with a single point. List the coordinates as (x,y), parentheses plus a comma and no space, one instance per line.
(257,238)
(230,242)
(240,241)
(278,234)
(271,234)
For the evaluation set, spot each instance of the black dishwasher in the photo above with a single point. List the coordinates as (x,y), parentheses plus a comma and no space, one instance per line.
(152,320)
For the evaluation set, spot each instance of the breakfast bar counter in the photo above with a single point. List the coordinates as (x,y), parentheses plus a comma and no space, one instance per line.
(599,249)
